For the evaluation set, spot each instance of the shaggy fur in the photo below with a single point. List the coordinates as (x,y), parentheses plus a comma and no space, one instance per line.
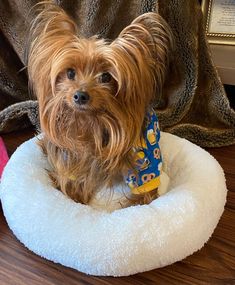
(89,145)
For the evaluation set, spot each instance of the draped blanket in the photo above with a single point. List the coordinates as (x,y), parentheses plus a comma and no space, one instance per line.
(193,103)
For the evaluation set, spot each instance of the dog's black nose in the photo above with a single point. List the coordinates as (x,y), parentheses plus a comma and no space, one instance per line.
(81,97)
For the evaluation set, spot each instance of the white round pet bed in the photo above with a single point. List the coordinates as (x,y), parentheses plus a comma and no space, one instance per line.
(116,242)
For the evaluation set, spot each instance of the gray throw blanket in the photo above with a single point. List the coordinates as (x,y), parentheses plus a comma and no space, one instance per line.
(193,104)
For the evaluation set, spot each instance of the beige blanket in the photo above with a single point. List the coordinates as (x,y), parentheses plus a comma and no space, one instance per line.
(193,105)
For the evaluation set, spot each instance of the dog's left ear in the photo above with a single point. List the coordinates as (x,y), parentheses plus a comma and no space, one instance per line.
(148,40)
(154,31)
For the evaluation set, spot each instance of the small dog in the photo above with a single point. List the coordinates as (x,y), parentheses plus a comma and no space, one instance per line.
(94,99)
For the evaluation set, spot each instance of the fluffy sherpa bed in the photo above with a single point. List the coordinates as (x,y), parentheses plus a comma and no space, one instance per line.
(116,242)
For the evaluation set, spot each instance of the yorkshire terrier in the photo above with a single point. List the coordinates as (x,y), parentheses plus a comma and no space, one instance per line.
(95,103)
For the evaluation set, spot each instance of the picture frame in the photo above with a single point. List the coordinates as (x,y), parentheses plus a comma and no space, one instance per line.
(219,21)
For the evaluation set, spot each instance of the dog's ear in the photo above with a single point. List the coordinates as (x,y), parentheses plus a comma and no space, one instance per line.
(51,32)
(50,25)
(50,18)
(154,31)
(148,39)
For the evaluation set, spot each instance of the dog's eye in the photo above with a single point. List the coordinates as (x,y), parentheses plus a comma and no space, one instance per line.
(71,73)
(105,77)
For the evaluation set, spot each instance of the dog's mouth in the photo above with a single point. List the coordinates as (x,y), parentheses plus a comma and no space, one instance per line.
(94,115)
(82,108)
(89,109)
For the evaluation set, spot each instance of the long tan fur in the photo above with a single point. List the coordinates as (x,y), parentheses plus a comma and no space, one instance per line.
(89,147)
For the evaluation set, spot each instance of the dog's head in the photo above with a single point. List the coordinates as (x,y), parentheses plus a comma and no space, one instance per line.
(92,92)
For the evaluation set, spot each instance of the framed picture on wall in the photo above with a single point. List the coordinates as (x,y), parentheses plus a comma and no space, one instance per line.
(219,16)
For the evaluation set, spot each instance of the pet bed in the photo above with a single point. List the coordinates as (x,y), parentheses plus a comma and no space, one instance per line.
(115,242)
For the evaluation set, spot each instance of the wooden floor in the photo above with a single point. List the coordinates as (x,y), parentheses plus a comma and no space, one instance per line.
(213,264)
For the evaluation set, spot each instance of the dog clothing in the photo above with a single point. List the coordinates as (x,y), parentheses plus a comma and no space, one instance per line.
(148,160)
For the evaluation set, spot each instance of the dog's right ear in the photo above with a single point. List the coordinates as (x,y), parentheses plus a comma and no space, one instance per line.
(51,31)
(50,17)
(49,23)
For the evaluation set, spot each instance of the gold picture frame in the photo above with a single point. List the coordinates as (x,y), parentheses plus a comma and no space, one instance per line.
(209,10)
